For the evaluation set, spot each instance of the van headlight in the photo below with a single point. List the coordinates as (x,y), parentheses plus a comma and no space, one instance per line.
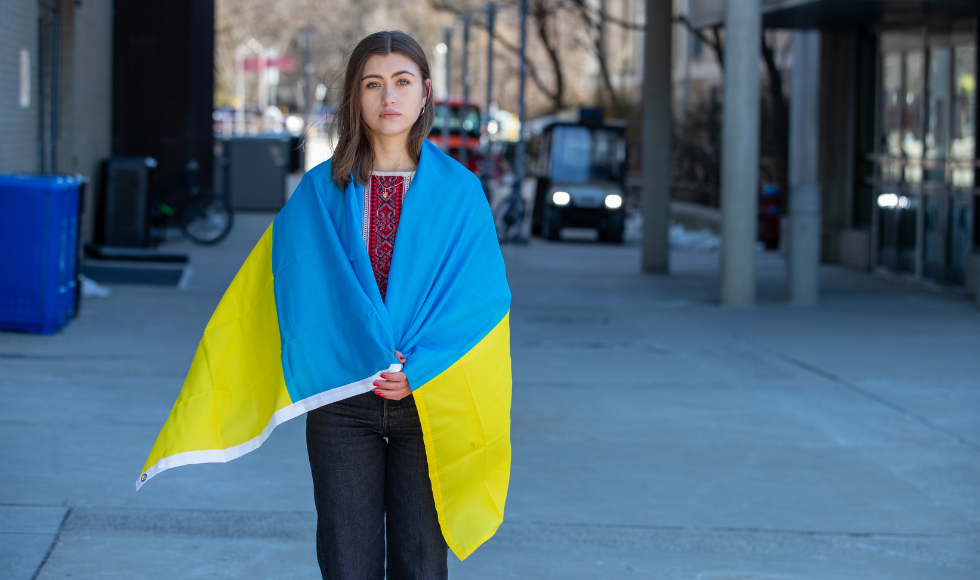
(561,197)
(614,201)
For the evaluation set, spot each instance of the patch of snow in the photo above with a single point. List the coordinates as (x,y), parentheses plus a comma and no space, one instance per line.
(701,240)
(681,238)
(92,288)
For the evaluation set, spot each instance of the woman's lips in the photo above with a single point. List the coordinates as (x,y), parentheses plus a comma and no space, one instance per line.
(390,115)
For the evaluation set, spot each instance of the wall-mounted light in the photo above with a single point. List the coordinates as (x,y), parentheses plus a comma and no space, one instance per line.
(25,79)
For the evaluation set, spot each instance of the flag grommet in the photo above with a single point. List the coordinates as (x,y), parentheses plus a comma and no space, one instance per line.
(143,478)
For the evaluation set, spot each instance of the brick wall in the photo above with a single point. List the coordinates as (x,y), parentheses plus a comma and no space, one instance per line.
(92,95)
(18,127)
(86,89)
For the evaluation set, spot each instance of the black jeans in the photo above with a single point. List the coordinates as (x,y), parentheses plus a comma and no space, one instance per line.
(368,489)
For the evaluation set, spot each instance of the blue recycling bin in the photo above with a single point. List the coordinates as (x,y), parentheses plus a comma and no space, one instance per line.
(38,252)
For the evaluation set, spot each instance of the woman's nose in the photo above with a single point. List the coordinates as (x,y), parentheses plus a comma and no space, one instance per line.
(390,96)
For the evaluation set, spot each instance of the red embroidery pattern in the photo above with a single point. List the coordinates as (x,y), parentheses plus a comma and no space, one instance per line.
(386,208)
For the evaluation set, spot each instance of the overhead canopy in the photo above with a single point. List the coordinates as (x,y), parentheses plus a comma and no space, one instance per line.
(830,15)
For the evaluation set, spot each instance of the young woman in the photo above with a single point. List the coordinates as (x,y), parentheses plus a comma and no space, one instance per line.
(367,455)
(377,302)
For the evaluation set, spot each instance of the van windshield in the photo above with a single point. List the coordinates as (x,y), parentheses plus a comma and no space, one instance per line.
(580,154)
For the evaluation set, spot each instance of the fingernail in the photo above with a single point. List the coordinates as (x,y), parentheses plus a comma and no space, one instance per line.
(378,393)
(376,383)
(383,377)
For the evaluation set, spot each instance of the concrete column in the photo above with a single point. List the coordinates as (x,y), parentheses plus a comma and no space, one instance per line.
(803,270)
(976,262)
(740,153)
(657,135)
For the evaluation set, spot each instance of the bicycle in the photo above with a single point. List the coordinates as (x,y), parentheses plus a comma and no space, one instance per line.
(204,216)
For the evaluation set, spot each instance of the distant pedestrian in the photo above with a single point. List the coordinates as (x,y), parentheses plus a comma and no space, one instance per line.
(377,302)
(273,121)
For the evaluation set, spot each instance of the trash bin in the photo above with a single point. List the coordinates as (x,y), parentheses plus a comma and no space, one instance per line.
(124,211)
(255,171)
(38,251)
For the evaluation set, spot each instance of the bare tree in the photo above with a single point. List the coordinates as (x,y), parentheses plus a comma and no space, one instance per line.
(595,21)
(545,55)
(778,124)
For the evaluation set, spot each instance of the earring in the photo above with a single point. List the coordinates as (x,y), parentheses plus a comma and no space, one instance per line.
(422,111)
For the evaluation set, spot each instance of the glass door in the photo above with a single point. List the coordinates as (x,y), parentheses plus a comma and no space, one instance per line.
(962,159)
(934,199)
(926,156)
(899,159)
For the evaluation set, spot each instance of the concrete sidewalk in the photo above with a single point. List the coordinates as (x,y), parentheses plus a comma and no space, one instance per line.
(655,434)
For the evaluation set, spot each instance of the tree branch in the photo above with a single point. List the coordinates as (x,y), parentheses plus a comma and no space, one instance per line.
(603,16)
(714,43)
(556,96)
(596,25)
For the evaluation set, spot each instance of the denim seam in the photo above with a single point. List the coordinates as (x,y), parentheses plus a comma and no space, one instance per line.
(384,418)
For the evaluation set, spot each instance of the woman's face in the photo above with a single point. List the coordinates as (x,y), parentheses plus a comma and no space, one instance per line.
(392,94)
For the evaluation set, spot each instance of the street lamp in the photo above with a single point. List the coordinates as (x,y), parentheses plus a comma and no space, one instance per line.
(491,10)
(447,36)
(306,38)
(514,215)
(465,78)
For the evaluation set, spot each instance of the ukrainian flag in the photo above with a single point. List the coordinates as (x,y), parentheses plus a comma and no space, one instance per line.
(303,325)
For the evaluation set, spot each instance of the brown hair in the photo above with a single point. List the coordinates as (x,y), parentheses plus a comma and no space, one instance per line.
(353,153)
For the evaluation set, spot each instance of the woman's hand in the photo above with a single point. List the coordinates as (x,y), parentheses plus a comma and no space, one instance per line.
(393,385)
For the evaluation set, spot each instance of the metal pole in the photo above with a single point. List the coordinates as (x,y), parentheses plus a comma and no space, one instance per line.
(447,37)
(657,136)
(240,52)
(465,78)
(55,90)
(491,12)
(515,209)
(42,94)
(307,38)
(263,86)
(740,153)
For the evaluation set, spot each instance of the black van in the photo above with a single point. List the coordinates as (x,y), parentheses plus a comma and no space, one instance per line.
(580,171)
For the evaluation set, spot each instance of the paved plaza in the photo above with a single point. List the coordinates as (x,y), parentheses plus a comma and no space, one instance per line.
(655,434)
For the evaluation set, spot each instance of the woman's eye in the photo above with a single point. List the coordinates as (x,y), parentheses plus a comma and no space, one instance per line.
(403,81)
(373,85)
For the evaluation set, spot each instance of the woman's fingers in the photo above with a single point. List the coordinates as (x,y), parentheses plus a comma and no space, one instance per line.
(392,385)
(393,394)
(394,390)
(400,357)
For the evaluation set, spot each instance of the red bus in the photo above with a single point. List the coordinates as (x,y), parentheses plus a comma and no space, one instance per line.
(464,130)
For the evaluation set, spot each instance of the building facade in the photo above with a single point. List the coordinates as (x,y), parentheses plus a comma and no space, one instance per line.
(897,132)
(56,87)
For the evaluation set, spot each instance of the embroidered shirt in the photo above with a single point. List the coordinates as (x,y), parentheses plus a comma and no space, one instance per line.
(382,208)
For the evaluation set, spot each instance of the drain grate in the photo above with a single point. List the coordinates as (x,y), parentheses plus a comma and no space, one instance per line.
(111,275)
